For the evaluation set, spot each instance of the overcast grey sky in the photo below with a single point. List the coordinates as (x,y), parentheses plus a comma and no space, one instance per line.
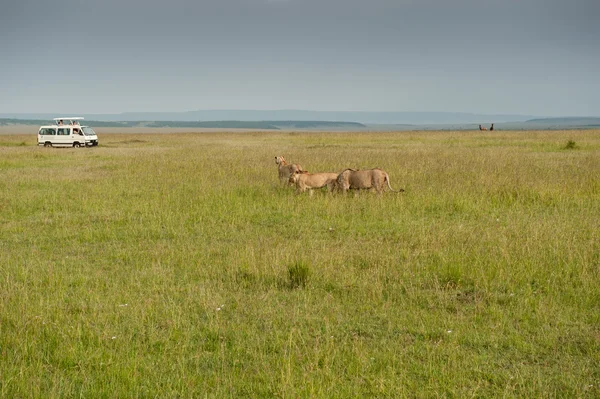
(538,57)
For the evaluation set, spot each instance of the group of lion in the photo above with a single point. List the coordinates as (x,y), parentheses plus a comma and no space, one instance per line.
(348,179)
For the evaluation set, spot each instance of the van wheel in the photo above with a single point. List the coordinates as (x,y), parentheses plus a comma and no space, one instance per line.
(76,145)
(47,144)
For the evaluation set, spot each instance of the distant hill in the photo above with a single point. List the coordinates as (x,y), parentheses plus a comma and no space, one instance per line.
(353,116)
(266,125)
(567,121)
(317,125)
(337,121)
(14,121)
(383,118)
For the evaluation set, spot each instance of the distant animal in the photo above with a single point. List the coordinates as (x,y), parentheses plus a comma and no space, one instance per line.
(309,181)
(352,179)
(492,127)
(482,128)
(285,170)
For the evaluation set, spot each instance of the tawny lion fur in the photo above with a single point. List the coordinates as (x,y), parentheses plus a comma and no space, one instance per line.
(352,179)
(286,170)
(309,181)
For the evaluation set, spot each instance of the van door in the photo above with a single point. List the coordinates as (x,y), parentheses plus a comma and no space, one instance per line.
(78,136)
(63,136)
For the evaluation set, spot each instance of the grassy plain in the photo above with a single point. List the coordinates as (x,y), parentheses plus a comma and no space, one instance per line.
(175,266)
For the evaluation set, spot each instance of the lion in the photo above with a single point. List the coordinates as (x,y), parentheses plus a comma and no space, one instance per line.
(308,181)
(352,179)
(286,170)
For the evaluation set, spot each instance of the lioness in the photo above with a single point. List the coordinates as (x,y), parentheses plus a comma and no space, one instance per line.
(364,179)
(286,170)
(307,181)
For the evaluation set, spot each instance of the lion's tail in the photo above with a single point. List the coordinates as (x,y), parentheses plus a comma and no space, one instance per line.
(387,179)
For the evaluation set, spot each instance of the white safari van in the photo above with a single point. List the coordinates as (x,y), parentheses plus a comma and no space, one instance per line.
(67,132)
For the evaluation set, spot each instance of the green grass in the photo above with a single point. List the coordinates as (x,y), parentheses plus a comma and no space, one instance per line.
(175,266)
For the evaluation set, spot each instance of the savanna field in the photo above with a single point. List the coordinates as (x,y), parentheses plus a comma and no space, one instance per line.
(175,265)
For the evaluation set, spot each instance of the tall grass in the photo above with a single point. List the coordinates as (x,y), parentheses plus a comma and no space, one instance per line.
(176,266)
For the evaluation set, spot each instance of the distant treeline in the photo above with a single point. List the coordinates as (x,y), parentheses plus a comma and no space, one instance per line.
(267,125)
(8,121)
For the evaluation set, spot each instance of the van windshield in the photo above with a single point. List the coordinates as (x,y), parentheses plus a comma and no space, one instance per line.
(88,131)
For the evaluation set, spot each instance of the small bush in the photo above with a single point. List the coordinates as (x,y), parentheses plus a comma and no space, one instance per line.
(570,145)
(298,274)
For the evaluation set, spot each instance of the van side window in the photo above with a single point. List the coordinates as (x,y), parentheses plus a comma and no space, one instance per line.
(63,132)
(48,132)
